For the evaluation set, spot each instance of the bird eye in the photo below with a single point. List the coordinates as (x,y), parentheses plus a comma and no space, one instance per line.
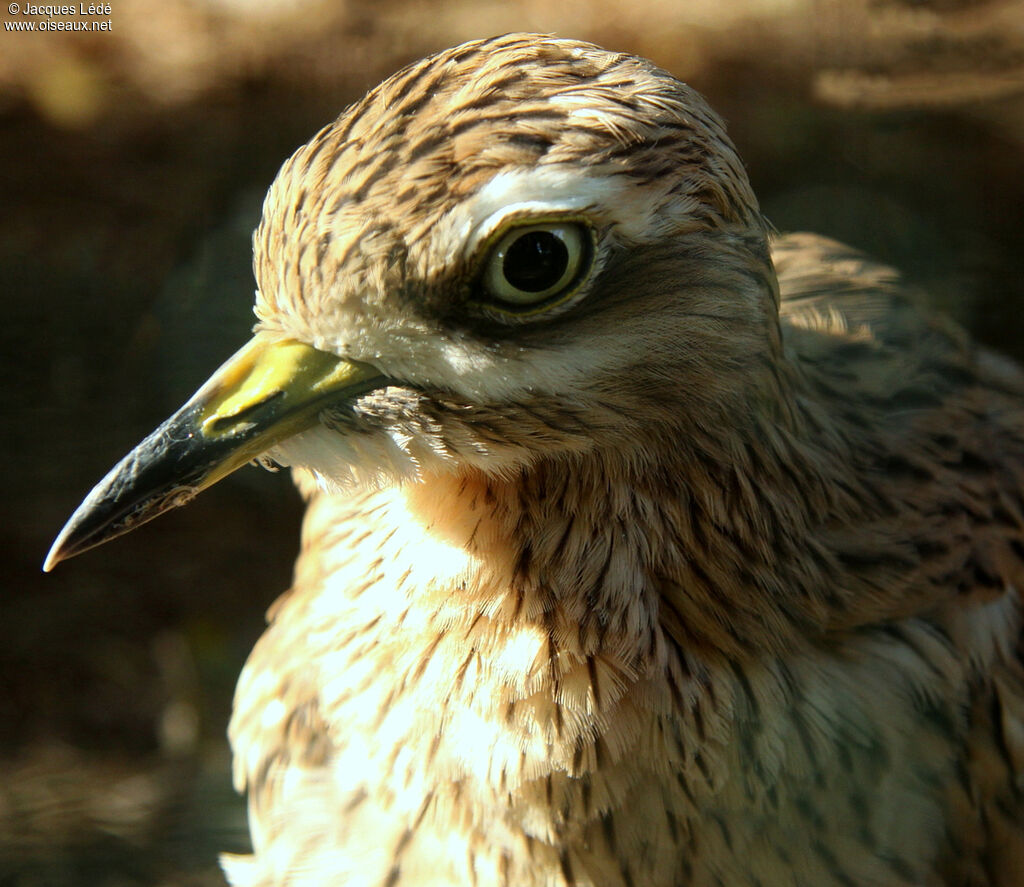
(534,265)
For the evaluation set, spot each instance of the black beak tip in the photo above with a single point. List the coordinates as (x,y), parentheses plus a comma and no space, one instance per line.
(58,552)
(53,557)
(74,538)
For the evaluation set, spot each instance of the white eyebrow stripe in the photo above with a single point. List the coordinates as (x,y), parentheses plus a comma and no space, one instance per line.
(538,191)
(547,190)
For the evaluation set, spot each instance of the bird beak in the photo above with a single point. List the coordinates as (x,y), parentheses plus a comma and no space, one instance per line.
(268,391)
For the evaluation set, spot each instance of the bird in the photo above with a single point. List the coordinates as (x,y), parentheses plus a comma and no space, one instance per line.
(645,546)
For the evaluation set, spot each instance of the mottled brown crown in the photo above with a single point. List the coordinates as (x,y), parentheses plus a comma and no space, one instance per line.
(367,197)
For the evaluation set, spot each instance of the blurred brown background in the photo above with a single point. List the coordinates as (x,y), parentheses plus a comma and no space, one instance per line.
(132,166)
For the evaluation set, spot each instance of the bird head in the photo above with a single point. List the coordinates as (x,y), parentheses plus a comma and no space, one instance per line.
(519,248)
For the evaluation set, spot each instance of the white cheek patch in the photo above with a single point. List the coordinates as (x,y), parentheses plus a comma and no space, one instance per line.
(345,462)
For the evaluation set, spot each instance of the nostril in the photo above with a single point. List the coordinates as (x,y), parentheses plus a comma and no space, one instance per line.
(219,423)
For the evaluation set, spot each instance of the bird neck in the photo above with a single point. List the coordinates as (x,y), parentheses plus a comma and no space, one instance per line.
(704,549)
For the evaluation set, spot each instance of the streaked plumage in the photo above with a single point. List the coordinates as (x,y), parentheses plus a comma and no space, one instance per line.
(702,570)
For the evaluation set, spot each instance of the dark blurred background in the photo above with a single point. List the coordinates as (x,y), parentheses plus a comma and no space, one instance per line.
(132,166)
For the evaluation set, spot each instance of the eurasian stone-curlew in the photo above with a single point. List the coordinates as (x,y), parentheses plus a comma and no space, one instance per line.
(642,549)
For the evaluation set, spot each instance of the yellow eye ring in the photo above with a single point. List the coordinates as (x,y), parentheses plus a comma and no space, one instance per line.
(535,266)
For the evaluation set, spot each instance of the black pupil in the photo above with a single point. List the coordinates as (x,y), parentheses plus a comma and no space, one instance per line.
(536,261)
